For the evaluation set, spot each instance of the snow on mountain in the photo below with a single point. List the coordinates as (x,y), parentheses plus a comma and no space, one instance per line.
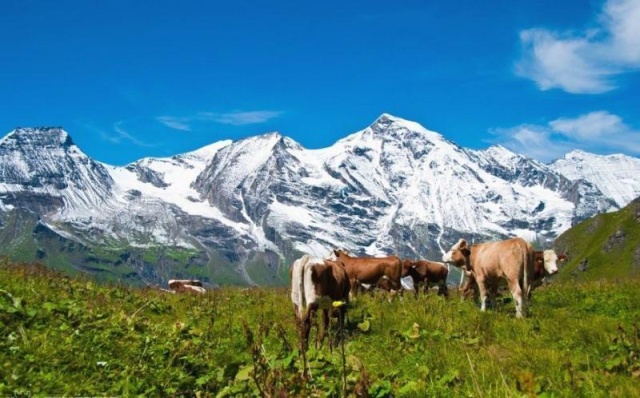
(615,175)
(45,162)
(393,187)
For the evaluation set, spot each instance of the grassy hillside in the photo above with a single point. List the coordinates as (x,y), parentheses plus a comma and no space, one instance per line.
(24,239)
(70,336)
(610,242)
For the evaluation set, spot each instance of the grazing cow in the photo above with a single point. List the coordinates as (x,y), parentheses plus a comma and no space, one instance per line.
(511,259)
(317,284)
(382,271)
(545,263)
(186,285)
(425,272)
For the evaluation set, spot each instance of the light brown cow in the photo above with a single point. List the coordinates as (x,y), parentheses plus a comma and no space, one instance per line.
(511,259)
(545,263)
(371,270)
(425,272)
(317,284)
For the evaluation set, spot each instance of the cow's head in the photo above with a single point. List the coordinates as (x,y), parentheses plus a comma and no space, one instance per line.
(458,255)
(550,262)
(340,253)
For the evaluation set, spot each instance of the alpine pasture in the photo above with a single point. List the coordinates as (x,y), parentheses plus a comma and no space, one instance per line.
(74,337)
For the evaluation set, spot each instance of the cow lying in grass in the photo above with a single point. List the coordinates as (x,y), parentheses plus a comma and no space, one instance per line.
(186,285)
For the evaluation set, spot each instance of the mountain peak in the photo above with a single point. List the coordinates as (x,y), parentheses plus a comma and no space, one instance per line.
(38,137)
(577,154)
(498,152)
(386,123)
(387,119)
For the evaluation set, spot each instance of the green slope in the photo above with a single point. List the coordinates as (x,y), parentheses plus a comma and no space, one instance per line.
(610,242)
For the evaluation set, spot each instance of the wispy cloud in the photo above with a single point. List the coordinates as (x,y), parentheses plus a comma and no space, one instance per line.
(176,123)
(584,62)
(598,132)
(239,118)
(122,135)
(235,118)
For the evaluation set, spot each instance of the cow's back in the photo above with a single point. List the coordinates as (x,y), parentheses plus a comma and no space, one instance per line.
(364,269)
(505,258)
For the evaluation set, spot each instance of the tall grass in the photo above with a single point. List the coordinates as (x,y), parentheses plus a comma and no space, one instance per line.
(71,336)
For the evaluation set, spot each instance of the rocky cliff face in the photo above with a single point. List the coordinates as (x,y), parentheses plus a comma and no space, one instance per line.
(243,210)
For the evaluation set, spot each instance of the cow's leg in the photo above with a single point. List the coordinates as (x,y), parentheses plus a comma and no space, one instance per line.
(518,297)
(482,287)
(355,286)
(323,330)
(442,288)
(306,328)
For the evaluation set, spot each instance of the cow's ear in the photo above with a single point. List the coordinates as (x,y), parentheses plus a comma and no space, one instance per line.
(462,245)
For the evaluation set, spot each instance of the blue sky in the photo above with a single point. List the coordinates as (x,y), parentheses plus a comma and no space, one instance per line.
(129,79)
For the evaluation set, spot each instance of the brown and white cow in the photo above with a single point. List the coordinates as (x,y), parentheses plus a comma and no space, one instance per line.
(425,272)
(317,284)
(545,263)
(510,259)
(380,271)
(186,285)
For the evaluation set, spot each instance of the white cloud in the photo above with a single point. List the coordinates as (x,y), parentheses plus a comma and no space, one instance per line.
(176,123)
(584,62)
(593,126)
(239,118)
(597,132)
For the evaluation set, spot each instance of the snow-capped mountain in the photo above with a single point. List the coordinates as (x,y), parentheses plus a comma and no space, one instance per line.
(45,162)
(617,176)
(243,210)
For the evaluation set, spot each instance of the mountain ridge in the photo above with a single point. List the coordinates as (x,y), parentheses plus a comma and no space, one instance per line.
(252,205)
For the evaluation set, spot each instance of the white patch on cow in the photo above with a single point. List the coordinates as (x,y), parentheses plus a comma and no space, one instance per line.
(303,292)
(407,283)
(550,261)
(366,286)
(310,295)
(448,256)
(332,256)
(197,289)
(518,305)
(297,269)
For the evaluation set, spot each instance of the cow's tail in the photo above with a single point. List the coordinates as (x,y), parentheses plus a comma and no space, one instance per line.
(297,284)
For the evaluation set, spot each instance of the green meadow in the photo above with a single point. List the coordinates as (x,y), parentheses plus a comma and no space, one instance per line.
(70,336)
